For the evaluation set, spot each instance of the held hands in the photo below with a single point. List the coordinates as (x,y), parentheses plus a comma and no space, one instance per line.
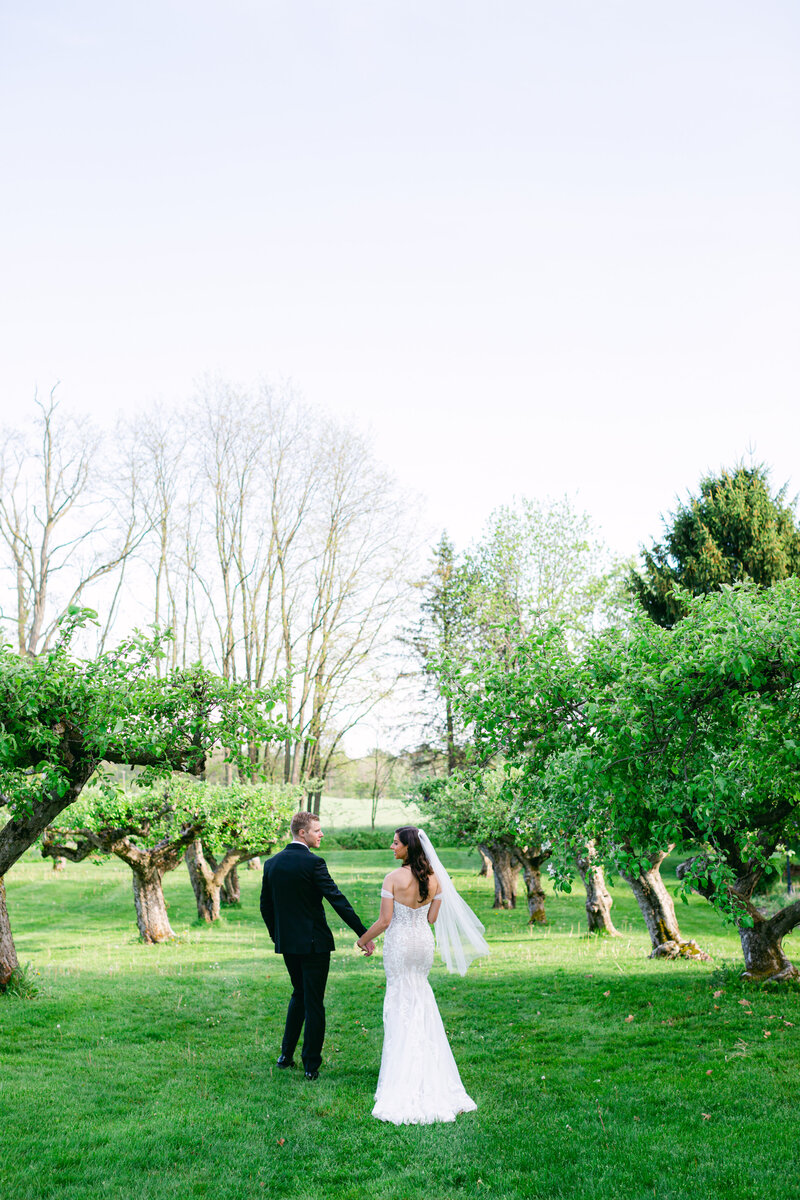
(367,948)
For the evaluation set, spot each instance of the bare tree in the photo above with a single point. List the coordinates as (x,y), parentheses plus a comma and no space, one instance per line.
(290,558)
(65,521)
(168,560)
(358,589)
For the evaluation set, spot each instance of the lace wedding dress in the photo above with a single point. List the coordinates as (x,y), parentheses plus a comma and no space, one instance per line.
(419,1081)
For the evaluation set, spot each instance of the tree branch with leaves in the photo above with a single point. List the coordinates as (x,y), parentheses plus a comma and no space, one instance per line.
(62,718)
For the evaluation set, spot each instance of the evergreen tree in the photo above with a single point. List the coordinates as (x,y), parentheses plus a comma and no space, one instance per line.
(443,631)
(734,530)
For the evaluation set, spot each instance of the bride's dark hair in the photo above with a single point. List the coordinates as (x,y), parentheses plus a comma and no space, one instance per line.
(421,869)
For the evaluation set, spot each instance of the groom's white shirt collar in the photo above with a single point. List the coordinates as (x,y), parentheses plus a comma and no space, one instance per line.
(297,842)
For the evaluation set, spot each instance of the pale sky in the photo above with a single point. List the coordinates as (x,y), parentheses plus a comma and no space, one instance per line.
(538,246)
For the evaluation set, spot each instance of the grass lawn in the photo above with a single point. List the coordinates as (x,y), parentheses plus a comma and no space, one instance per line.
(338,812)
(148,1072)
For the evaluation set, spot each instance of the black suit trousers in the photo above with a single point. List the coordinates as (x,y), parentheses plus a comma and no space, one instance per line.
(309,974)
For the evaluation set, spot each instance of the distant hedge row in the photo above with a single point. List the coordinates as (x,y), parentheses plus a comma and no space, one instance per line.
(358,839)
(364,839)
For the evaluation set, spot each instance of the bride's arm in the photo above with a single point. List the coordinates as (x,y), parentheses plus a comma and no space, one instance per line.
(436,904)
(384,917)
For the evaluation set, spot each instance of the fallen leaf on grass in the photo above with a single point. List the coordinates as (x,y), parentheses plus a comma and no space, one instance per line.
(767,1033)
(629,1018)
(718,994)
(706,1116)
(709,1072)
(745,1003)
(281,1141)
(606,993)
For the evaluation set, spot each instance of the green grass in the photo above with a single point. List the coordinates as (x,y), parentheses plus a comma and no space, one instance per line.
(339,812)
(148,1072)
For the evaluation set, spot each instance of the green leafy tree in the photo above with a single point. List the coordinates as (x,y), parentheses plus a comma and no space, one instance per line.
(150,829)
(534,564)
(683,737)
(444,632)
(478,809)
(147,828)
(238,823)
(735,529)
(62,719)
(543,688)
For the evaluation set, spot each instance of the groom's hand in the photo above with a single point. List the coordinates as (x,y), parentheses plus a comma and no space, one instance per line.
(368,948)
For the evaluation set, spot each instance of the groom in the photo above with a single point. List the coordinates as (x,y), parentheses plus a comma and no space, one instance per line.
(295,881)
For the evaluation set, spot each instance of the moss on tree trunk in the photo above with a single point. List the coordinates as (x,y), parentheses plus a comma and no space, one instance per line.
(658,911)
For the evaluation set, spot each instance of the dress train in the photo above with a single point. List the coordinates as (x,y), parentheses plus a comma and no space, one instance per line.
(419,1081)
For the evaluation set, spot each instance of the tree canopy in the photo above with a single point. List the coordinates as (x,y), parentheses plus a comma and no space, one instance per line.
(735,529)
(150,828)
(654,737)
(64,720)
(535,563)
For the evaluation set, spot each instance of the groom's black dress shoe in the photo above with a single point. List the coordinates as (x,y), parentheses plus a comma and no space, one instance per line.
(312,1074)
(284,1062)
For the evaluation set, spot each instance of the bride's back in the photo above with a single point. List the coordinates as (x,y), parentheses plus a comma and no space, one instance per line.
(406,888)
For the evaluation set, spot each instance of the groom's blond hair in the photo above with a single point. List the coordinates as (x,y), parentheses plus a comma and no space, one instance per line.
(302,820)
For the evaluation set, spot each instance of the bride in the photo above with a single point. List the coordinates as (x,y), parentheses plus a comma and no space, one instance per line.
(419,1081)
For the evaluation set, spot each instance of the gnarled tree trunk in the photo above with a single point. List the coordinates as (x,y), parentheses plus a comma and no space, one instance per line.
(486,862)
(206,888)
(764,958)
(209,877)
(231,892)
(506,871)
(148,866)
(530,858)
(151,907)
(20,832)
(658,911)
(598,897)
(8,954)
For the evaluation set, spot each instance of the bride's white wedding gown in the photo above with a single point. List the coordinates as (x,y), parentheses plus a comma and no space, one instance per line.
(419,1081)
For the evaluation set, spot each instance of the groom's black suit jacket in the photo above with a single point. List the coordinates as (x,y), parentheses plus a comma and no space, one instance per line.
(295,881)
